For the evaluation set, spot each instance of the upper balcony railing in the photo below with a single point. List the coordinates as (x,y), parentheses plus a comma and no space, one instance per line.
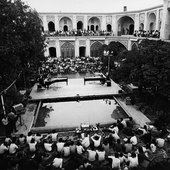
(73,33)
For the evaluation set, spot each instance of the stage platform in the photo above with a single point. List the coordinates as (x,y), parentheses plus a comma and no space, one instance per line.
(74,88)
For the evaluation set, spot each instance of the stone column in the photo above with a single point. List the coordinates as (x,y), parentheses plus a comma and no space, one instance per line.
(45,24)
(146,22)
(74,22)
(88,47)
(76,47)
(165,26)
(58,50)
(114,25)
(103,24)
(56,23)
(85,22)
(136,26)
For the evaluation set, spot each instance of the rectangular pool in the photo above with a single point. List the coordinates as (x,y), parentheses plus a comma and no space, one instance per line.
(61,115)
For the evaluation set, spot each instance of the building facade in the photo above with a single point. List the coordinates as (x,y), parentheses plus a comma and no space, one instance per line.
(81,34)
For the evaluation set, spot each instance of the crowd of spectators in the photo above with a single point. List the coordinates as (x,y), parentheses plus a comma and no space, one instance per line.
(71,65)
(78,33)
(120,146)
(148,34)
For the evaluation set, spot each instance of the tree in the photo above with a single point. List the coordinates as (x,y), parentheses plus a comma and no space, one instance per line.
(21,41)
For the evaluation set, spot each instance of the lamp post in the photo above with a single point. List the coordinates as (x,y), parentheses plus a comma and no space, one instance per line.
(108,54)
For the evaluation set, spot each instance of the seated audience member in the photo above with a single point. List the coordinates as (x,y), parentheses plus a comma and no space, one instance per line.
(57,163)
(115,136)
(130,123)
(54,136)
(133,160)
(127,146)
(13,147)
(32,145)
(114,128)
(86,141)
(3,148)
(47,145)
(101,154)
(60,145)
(160,142)
(38,137)
(22,139)
(29,137)
(79,148)
(72,147)
(115,161)
(133,140)
(66,149)
(91,154)
(142,158)
(122,159)
(106,146)
(8,140)
(96,140)
(142,131)
(118,146)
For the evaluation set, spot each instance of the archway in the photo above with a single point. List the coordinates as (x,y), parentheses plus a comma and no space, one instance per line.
(52,52)
(65,21)
(82,51)
(92,28)
(67,50)
(65,28)
(131,29)
(95,22)
(109,28)
(94,49)
(152,21)
(125,25)
(79,25)
(51,26)
(141,27)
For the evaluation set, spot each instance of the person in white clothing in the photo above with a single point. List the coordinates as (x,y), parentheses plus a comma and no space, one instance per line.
(57,162)
(32,145)
(54,136)
(47,145)
(115,136)
(3,148)
(13,147)
(96,140)
(133,140)
(133,160)
(160,142)
(66,149)
(91,154)
(86,141)
(79,148)
(115,161)
(60,145)
(29,137)
(101,154)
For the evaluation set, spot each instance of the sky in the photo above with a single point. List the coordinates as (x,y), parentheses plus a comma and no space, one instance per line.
(90,5)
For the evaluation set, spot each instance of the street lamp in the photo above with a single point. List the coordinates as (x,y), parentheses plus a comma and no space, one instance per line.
(108,54)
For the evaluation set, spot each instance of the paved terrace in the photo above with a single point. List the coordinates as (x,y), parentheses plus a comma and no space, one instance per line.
(74,87)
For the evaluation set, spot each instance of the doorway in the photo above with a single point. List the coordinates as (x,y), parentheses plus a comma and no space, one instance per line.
(82,51)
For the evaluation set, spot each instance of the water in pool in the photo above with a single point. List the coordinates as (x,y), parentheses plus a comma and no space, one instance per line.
(72,114)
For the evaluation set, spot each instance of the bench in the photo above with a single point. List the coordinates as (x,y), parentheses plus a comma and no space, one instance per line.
(102,79)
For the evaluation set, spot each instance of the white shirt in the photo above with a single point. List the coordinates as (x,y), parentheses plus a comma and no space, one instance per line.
(29,139)
(115,136)
(101,155)
(60,146)
(3,148)
(66,151)
(160,142)
(80,149)
(115,162)
(133,140)
(13,148)
(153,147)
(96,142)
(91,155)
(86,142)
(48,147)
(54,137)
(133,162)
(58,162)
(32,146)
